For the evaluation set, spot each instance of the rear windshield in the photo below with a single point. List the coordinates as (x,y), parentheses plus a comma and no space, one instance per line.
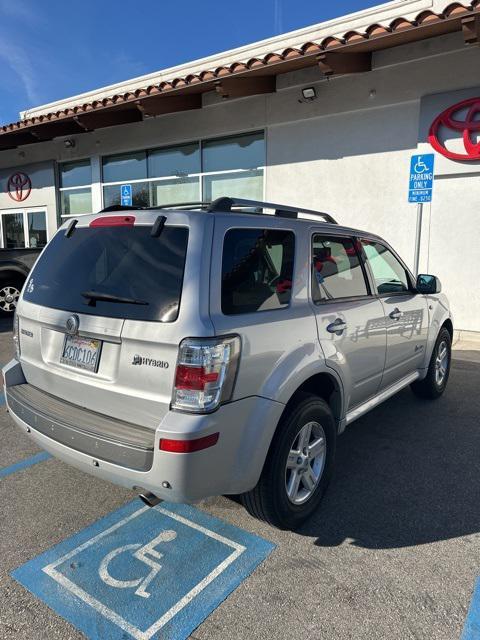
(125,262)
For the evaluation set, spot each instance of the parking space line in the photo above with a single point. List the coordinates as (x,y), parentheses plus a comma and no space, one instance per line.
(471,630)
(23,464)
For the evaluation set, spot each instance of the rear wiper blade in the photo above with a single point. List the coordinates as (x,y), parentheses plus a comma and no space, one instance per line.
(94,296)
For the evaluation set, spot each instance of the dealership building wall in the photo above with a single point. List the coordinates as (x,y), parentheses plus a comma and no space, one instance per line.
(346,152)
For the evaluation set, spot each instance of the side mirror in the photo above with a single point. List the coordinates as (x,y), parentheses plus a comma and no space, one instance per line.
(428,284)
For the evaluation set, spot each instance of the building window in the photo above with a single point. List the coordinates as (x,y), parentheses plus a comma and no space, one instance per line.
(75,188)
(13,231)
(37,228)
(188,172)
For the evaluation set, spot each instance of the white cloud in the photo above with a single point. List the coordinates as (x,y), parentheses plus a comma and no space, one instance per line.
(278,16)
(18,60)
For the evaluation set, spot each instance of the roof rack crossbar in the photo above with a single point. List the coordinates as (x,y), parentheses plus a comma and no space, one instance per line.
(226,204)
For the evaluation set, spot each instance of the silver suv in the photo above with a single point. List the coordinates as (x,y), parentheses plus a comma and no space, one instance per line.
(187,352)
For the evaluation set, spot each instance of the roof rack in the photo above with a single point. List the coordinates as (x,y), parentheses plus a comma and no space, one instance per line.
(282,211)
(227,204)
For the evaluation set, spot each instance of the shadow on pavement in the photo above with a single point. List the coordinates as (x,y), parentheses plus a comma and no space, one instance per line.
(408,472)
(6,323)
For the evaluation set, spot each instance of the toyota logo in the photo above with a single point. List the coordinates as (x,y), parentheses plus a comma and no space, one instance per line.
(19,186)
(72,325)
(467,126)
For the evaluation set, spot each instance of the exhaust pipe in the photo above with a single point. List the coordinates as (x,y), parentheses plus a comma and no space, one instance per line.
(150,499)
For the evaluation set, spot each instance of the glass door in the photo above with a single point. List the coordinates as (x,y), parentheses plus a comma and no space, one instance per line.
(23,228)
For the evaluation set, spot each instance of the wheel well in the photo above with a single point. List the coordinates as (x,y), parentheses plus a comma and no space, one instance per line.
(11,275)
(325,386)
(448,324)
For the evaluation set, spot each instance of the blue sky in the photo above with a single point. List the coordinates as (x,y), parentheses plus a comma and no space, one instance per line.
(52,49)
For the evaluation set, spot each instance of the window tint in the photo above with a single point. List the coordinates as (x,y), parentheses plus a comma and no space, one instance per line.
(240,152)
(336,269)
(257,270)
(388,272)
(174,161)
(128,166)
(75,174)
(121,261)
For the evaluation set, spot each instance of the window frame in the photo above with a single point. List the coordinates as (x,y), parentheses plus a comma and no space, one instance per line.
(294,266)
(366,276)
(200,175)
(411,280)
(62,217)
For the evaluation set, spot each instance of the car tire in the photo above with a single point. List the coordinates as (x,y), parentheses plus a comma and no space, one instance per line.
(435,382)
(274,499)
(10,288)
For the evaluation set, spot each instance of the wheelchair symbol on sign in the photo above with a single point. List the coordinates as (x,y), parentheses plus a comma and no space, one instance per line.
(146,554)
(420,166)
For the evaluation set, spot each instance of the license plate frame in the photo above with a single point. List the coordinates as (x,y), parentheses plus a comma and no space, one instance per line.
(78,341)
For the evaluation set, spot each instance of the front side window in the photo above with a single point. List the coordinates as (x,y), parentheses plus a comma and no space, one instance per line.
(337,271)
(388,272)
(257,270)
(75,188)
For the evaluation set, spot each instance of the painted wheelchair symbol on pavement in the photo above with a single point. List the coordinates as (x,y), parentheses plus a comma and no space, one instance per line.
(146,554)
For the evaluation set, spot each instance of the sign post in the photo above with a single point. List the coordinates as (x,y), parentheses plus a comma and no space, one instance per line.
(420,190)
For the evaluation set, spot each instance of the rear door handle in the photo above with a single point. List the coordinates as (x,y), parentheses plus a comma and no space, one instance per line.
(396,314)
(338,326)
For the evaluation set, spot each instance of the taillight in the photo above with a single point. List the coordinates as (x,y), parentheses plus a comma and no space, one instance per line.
(16,335)
(206,371)
(188,446)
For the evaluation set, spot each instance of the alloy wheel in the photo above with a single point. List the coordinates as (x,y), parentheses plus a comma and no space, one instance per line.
(305,463)
(9,298)
(441,363)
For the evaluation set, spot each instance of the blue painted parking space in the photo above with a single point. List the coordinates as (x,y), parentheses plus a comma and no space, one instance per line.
(142,572)
(24,464)
(471,630)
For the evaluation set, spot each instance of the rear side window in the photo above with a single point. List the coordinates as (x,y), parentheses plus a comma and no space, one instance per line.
(123,262)
(337,270)
(257,270)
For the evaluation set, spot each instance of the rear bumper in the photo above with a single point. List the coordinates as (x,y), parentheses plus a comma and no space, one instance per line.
(233,465)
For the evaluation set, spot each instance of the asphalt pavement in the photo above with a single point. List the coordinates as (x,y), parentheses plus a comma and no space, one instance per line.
(393,553)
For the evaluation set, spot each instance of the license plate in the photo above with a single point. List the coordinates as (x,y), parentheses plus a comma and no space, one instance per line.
(82,353)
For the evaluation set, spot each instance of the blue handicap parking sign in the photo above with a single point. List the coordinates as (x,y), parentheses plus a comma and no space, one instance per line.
(420,188)
(143,571)
(126,195)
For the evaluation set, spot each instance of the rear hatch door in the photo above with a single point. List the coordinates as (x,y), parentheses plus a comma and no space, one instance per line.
(99,318)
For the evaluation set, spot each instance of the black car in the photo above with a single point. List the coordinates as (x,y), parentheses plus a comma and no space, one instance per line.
(15,265)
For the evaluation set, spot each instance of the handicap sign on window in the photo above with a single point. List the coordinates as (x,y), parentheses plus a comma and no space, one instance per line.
(126,195)
(144,571)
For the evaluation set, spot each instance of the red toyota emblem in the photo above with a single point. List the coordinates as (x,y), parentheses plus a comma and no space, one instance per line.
(467,126)
(19,186)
